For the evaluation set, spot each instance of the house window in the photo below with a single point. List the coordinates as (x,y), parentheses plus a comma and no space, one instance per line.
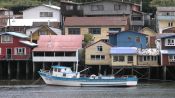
(170,42)
(118,59)
(20,51)
(97,7)
(97,57)
(138,39)
(136,18)
(115,29)
(99,48)
(42,33)
(140,58)
(171,58)
(130,59)
(95,30)
(144,58)
(46,14)
(170,24)
(117,7)
(75,31)
(69,7)
(6,39)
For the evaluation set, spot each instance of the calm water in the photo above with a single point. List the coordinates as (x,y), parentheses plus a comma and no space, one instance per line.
(143,90)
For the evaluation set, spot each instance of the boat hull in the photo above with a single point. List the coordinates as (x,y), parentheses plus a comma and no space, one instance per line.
(52,80)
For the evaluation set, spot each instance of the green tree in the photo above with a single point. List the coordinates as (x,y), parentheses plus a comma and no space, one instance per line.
(87,38)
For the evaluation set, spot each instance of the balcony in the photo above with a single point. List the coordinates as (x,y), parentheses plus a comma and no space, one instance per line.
(15,57)
(54,58)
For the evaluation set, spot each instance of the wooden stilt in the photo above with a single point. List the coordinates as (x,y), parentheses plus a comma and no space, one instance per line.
(132,70)
(44,66)
(9,70)
(99,70)
(17,75)
(164,72)
(149,73)
(0,70)
(112,71)
(33,70)
(27,70)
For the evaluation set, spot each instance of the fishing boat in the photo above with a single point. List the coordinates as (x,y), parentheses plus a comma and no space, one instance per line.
(64,76)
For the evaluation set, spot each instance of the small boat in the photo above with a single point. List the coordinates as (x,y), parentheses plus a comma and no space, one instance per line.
(64,76)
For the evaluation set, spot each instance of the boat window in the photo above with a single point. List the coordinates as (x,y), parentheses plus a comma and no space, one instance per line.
(59,70)
(55,70)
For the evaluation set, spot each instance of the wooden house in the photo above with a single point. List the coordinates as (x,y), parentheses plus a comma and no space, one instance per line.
(35,32)
(165,19)
(58,49)
(15,46)
(123,56)
(167,49)
(128,39)
(98,55)
(106,8)
(36,16)
(97,26)
(151,36)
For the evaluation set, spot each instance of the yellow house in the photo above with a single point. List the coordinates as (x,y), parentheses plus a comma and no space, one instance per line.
(97,55)
(165,18)
(35,32)
(97,26)
(123,56)
(151,36)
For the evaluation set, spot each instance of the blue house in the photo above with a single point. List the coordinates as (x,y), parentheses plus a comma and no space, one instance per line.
(128,39)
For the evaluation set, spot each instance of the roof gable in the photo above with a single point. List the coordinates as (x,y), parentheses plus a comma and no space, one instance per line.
(92,44)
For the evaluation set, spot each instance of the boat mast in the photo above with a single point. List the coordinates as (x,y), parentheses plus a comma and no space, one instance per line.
(77,61)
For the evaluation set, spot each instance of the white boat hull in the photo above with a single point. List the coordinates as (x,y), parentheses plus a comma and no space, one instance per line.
(54,81)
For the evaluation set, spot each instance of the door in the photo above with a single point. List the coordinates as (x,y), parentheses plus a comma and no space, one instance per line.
(8,53)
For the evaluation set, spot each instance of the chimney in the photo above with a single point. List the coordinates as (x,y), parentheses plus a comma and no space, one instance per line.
(30,36)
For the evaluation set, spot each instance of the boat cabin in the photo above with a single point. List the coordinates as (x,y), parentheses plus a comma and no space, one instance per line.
(66,72)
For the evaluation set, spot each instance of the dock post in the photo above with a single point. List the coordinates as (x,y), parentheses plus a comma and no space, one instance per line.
(33,70)
(149,73)
(0,69)
(164,72)
(99,70)
(27,70)
(44,66)
(132,70)
(9,70)
(17,75)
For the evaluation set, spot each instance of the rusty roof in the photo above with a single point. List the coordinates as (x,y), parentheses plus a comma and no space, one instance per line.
(96,21)
(59,43)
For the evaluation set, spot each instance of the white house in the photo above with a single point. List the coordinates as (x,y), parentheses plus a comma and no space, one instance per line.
(40,15)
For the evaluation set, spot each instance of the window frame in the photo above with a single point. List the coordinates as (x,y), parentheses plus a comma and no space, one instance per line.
(97,57)
(46,14)
(96,30)
(18,49)
(100,48)
(97,7)
(72,31)
(170,42)
(6,39)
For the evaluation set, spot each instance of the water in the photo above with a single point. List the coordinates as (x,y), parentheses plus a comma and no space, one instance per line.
(143,90)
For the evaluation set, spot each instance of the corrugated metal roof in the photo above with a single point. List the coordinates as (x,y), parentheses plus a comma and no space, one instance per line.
(59,43)
(15,34)
(170,51)
(28,22)
(165,9)
(123,50)
(29,43)
(52,6)
(96,21)
(165,35)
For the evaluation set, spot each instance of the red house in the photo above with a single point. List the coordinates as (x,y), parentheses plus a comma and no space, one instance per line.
(15,46)
(167,42)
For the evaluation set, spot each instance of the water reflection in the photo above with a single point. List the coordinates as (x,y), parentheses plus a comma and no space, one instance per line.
(143,90)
